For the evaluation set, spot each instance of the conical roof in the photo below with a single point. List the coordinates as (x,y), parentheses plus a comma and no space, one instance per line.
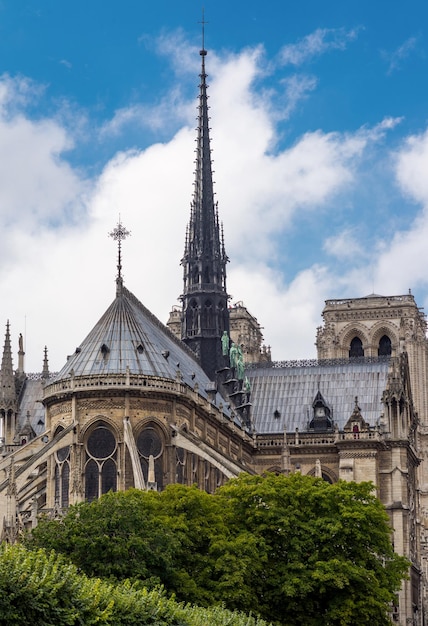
(128,335)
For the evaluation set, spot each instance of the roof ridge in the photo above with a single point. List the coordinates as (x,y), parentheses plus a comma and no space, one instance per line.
(158,323)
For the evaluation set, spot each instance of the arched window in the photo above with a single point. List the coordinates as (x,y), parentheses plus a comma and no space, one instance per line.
(91,480)
(62,475)
(192,318)
(149,443)
(356,348)
(327,478)
(384,346)
(100,465)
(207,316)
(221,317)
(65,485)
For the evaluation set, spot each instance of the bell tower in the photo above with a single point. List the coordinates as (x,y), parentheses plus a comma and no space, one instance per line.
(379,327)
(205,301)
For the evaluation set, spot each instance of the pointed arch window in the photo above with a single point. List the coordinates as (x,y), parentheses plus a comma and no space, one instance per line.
(192,318)
(150,443)
(326,478)
(100,462)
(222,317)
(207,316)
(62,475)
(91,480)
(356,348)
(385,347)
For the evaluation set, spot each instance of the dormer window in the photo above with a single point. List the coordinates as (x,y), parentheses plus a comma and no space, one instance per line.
(321,420)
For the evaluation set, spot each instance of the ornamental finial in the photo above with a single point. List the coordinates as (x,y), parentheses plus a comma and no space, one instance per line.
(119,234)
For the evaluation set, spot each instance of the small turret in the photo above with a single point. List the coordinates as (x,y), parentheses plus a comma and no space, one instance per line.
(8,401)
(45,371)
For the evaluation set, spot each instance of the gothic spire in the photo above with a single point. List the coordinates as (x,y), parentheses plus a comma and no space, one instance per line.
(7,378)
(45,371)
(205,300)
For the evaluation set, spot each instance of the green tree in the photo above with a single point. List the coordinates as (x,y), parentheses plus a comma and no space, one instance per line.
(295,549)
(196,520)
(118,536)
(326,549)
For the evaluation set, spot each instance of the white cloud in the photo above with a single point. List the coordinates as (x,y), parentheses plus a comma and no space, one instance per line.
(289,314)
(16,92)
(317,43)
(412,167)
(57,281)
(164,116)
(402,262)
(174,45)
(296,89)
(396,58)
(345,245)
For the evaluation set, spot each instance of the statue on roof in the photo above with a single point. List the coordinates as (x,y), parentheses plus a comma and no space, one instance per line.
(247,389)
(240,364)
(233,355)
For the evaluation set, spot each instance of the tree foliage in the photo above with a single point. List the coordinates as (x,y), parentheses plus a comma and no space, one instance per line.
(43,589)
(118,536)
(295,550)
(326,549)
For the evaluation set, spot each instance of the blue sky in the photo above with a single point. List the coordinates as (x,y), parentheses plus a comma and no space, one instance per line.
(319,116)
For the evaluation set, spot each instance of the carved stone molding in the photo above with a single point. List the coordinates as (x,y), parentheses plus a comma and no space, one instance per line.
(358,455)
(59,409)
(150,405)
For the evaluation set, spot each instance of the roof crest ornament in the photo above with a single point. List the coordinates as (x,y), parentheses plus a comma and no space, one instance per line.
(119,234)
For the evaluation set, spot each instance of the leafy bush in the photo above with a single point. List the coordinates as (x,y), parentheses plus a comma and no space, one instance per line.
(43,589)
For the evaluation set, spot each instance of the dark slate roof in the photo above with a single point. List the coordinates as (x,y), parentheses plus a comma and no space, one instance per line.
(290,391)
(30,402)
(128,335)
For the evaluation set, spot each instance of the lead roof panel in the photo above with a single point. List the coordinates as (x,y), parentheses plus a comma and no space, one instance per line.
(290,391)
(30,403)
(128,335)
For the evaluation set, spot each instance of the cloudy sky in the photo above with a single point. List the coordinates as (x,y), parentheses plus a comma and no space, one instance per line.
(319,117)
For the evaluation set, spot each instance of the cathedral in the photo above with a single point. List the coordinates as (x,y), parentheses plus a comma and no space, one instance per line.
(199,400)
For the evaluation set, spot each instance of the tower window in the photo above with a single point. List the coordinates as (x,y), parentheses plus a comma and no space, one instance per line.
(207,316)
(356,348)
(384,346)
